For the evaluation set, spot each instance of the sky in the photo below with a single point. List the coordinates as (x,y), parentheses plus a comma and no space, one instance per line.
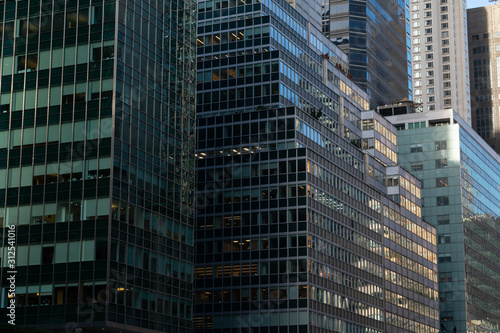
(477,3)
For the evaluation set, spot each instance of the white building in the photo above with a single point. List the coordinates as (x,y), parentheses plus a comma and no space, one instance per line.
(440,55)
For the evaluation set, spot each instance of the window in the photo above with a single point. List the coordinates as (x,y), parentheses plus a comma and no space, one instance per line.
(416,49)
(428,48)
(416,33)
(444,9)
(416,148)
(446,67)
(427,6)
(444,239)
(418,83)
(443,219)
(429,56)
(428,39)
(430,99)
(447,101)
(445,258)
(417,66)
(442,182)
(486,36)
(444,25)
(428,31)
(431,107)
(475,37)
(446,50)
(442,200)
(430,73)
(444,17)
(48,255)
(447,92)
(430,90)
(415,16)
(428,23)
(416,40)
(428,14)
(446,76)
(445,34)
(429,65)
(445,42)
(415,24)
(441,163)
(446,59)
(440,145)
(30,63)
(417,57)
(417,167)
(430,82)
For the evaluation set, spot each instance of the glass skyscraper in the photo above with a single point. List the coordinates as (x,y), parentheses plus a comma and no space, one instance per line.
(461,177)
(294,232)
(376,36)
(97,162)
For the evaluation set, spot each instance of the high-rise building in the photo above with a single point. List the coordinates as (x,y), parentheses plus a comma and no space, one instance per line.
(440,56)
(294,231)
(375,35)
(461,193)
(97,163)
(484,55)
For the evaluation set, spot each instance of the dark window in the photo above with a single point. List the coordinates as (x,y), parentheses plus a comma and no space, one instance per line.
(441,163)
(48,255)
(443,200)
(442,182)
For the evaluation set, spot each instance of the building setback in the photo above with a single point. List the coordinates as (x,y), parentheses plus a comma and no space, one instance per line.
(440,56)
(97,163)
(461,191)
(484,54)
(292,214)
(374,35)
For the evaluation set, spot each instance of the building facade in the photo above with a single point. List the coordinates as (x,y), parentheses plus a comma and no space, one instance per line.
(291,220)
(461,191)
(374,35)
(484,54)
(97,163)
(440,56)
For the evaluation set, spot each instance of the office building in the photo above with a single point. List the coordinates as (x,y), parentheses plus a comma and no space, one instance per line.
(97,163)
(294,231)
(461,192)
(440,56)
(484,54)
(374,34)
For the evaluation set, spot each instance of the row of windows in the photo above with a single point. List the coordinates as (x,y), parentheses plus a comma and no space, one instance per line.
(334,324)
(160,263)
(328,273)
(410,284)
(341,302)
(410,245)
(413,266)
(347,233)
(264,319)
(250,294)
(409,225)
(412,305)
(439,164)
(252,244)
(58,20)
(408,324)
(261,218)
(343,255)
(331,146)
(233,36)
(340,184)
